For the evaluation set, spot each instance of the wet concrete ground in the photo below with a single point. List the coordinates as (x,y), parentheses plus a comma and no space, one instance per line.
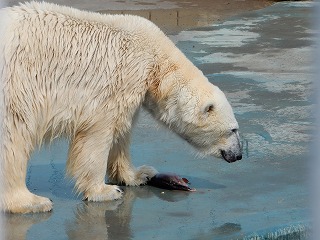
(171,16)
(262,61)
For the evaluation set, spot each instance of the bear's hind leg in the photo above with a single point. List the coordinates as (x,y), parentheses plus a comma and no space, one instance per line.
(16,198)
(87,164)
(120,169)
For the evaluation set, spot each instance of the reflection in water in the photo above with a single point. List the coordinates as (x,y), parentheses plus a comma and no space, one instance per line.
(227,228)
(17,225)
(111,220)
(97,220)
(101,220)
(173,20)
(224,231)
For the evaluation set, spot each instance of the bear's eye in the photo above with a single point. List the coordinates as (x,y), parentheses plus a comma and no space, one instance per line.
(209,108)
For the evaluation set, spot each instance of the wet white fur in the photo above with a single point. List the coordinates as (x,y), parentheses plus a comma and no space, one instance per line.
(84,75)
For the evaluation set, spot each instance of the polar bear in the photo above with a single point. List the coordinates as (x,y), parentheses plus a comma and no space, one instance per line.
(84,75)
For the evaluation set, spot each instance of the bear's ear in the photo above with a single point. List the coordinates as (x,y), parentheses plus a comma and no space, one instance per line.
(209,108)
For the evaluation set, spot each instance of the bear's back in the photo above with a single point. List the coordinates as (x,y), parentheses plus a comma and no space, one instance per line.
(127,23)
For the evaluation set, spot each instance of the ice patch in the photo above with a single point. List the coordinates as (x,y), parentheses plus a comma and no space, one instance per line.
(301,4)
(220,38)
(249,22)
(233,33)
(273,60)
(300,83)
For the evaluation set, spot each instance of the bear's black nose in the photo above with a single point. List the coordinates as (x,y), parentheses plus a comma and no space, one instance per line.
(230,157)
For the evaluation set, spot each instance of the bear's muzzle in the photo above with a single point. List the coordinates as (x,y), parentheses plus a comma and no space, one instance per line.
(231,156)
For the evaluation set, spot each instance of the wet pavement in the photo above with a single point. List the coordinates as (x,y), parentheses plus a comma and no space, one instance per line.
(171,16)
(262,61)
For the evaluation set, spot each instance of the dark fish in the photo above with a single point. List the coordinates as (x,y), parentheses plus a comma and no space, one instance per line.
(170,181)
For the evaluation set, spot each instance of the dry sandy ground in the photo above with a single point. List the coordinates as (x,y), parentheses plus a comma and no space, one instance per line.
(170,15)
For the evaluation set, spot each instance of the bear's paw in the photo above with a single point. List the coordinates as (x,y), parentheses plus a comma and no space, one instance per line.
(144,173)
(103,193)
(27,202)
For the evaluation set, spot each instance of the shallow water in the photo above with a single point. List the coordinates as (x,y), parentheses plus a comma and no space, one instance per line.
(264,67)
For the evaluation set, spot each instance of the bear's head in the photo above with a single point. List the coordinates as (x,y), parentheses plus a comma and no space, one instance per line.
(199,112)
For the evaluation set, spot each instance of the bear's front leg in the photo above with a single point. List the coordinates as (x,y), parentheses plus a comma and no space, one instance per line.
(87,164)
(120,169)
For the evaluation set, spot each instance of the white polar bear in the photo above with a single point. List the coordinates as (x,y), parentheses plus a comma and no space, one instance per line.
(84,75)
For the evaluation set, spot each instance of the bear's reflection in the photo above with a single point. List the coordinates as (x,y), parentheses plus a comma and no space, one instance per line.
(111,220)
(16,226)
